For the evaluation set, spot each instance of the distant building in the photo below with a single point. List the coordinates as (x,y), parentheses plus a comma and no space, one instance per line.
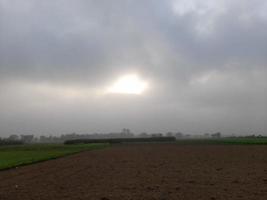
(178,135)
(216,135)
(126,133)
(27,138)
(169,134)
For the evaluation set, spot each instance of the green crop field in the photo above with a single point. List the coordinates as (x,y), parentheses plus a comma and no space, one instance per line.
(12,156)
(230,140)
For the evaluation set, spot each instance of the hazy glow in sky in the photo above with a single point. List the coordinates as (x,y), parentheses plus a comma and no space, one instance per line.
(128,84)
(99,66)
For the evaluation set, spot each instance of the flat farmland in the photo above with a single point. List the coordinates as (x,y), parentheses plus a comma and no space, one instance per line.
(144,171)
(18,155)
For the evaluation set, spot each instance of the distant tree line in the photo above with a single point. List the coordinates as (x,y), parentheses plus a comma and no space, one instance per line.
(125,133)
(122,140)
(5,141)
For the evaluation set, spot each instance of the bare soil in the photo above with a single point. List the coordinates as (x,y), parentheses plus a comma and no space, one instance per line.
(144,172)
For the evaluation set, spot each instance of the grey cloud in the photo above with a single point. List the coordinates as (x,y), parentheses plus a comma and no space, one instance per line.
(87,44)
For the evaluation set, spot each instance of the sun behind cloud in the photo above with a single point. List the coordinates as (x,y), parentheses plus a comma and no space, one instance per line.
(128,84)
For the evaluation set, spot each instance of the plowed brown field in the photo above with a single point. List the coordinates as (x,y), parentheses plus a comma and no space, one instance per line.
(148,171)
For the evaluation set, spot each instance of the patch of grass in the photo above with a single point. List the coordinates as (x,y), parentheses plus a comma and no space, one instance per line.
(230,140)
(12,156)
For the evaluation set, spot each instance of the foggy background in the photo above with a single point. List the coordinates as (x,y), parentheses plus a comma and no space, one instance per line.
(205,63)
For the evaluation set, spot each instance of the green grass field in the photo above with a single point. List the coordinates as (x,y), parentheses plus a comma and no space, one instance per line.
(229,141)
(12,156)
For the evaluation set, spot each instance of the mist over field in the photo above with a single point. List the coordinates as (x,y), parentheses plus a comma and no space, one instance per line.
(90,66)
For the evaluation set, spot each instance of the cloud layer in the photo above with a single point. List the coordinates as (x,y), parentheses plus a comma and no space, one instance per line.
(206,62)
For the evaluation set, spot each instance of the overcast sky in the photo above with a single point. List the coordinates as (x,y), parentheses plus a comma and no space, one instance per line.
(204,63)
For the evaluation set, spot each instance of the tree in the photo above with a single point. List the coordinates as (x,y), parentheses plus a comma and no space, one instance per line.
(13,137)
